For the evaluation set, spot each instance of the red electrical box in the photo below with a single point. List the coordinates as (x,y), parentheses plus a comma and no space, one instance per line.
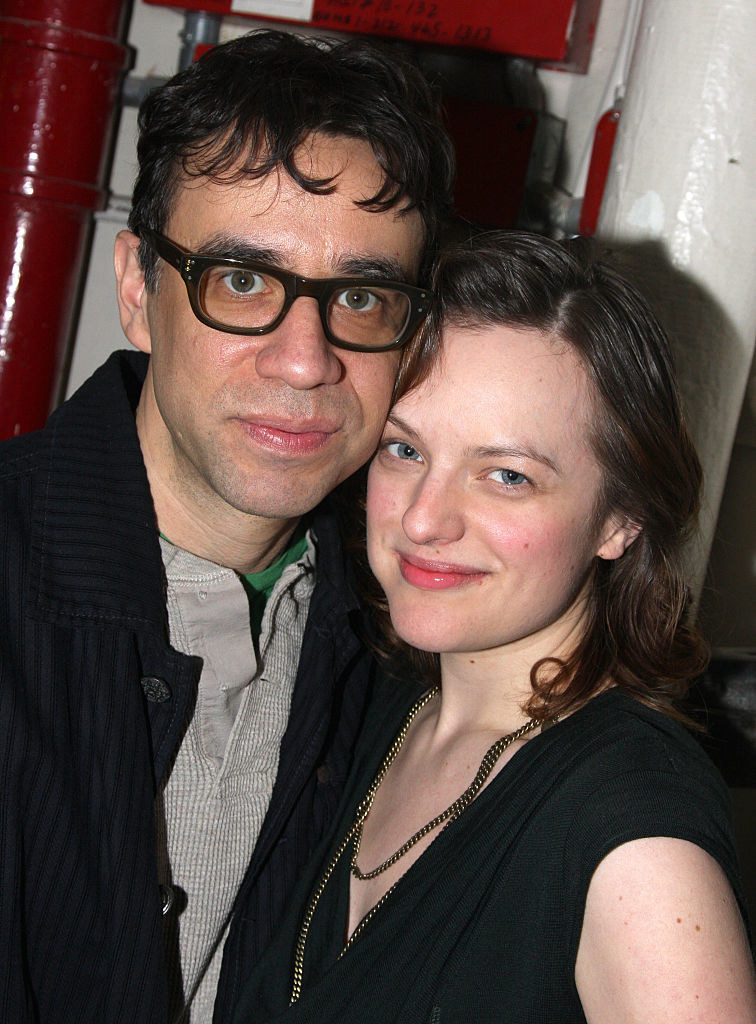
(554,31)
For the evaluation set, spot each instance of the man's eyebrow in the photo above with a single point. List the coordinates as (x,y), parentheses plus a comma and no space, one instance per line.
(372,266)
(369,266)
(229,247)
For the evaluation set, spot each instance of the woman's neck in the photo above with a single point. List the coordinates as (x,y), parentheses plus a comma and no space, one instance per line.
(487,690)
(481,691)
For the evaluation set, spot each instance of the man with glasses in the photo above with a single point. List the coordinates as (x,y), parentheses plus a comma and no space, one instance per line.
(182,672)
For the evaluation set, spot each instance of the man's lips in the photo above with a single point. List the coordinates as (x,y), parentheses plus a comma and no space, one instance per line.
(287,438)
(436,575)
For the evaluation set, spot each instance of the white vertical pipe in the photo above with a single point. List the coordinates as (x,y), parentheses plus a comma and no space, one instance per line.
(681,199)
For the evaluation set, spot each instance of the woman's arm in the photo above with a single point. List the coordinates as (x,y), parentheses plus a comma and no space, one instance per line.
(663,941)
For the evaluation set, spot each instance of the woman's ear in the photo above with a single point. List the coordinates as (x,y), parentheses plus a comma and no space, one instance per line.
(618,534)
(131,292)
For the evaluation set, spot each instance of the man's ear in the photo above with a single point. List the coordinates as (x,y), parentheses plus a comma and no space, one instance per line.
(618,534)
(131,292)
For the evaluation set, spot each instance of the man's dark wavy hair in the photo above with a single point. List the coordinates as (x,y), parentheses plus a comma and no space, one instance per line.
(245,107)
(636,631)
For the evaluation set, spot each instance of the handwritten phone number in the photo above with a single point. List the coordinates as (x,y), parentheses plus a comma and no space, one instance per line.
(389,17)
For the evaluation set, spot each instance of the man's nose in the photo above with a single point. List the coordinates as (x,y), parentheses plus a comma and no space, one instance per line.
(298,352)
(435,514)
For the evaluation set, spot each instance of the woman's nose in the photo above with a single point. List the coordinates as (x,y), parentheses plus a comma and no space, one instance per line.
(435,515)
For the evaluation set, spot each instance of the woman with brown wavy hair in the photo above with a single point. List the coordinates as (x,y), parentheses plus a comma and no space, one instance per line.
(530,834)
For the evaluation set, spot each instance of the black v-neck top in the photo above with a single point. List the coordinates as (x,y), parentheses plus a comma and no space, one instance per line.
(485,925)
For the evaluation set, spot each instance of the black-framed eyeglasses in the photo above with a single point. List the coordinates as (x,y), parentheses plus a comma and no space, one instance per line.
(363,314)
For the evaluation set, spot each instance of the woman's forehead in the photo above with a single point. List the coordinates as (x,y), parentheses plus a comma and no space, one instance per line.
(503,383)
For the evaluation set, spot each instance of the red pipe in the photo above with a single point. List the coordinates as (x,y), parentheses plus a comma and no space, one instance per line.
(61,66)
(598,169)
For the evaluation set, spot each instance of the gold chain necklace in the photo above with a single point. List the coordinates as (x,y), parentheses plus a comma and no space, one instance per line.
(454,810)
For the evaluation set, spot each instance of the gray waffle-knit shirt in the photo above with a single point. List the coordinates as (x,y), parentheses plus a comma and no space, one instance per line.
(211,808)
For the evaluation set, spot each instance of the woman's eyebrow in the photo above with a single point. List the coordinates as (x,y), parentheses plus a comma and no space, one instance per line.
(517,451)
(493,451)
(396,421)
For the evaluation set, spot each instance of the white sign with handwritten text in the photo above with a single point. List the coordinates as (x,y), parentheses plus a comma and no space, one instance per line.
(294,10)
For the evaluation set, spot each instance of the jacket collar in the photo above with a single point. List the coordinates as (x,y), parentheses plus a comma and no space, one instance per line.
(95,552)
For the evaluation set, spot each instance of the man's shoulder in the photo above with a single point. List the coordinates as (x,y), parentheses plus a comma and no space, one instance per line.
(121,375)
(20,456)
(117,381)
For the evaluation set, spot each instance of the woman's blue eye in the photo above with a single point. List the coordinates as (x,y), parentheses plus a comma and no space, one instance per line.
(510,477)
(402,450)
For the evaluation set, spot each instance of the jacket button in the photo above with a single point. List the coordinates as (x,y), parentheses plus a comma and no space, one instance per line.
(167,897)
(323,773)
(156,689)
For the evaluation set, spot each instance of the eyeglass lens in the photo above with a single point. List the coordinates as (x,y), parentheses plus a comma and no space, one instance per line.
(245,298)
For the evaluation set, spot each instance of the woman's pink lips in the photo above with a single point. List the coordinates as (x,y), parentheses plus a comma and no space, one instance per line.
(430,576)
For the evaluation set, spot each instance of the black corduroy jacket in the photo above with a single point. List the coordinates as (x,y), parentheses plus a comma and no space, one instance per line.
(93,704)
